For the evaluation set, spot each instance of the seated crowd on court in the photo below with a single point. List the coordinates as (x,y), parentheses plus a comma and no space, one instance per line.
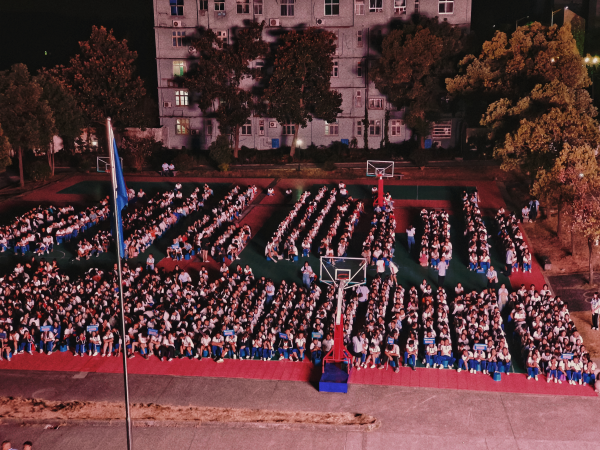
(513,243)
(379,244)
(435,240)
(304,222)
(477,234)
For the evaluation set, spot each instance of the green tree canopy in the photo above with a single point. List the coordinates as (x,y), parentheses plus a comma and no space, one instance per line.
(415,62)
(102,77)
(25,116)
(300,87)
(219,73)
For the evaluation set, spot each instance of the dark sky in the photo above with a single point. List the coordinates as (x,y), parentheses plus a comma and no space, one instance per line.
(30,28)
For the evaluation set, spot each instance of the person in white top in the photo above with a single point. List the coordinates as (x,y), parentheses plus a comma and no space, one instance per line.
(410,235)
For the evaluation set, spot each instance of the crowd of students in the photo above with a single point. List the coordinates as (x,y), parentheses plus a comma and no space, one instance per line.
(513,243)
(379,245)
(477,234)
(551,344)
(435,240)
(304,222)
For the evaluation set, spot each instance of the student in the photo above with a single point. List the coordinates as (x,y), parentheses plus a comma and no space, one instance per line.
(217,347)
(552,371)
(463,361)
(187,346)
(374,352)
(359,344)
(532,365)
(315,350)
(107,346)
(205,341)
(574,371)
(150,262)
(298,354)
(392,351)
(410,354)
(94,344)
(231,346)
(431,352)
(80,344)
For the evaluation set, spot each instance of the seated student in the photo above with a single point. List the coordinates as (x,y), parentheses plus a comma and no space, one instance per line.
(392,351)
(187,346)
(445,354)
(284,349)
(288,194)
(165,169)
(4,346)
(552,371)
(80,344)
(410,354)
(270,192)
(589,373)
(431,352)
(143,344)
(300,345)
(205,341)
(231,346)
(492,362)
(374,352)
(48,339)
(150,262)
(526,261)
(532,365)
(257,344)
(315,350)
(107,346)
(172,169)
(504,363)
(94,344)
(217,347)
(267,348)
(574,371)
(463,361)
(476,361)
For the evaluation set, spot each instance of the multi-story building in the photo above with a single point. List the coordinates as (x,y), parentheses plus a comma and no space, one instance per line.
(357,25)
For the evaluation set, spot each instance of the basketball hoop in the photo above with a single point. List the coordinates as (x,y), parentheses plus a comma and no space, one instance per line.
(381,170)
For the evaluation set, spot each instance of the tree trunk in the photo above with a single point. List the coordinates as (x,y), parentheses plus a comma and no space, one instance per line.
(591,260)
(21,175)
(236,141)
(52,158)
(560,227)
(293,149)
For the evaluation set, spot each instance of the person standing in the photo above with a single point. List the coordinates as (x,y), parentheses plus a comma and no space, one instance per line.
(441,268)
(533,209)
(410,236)
(394,271)
(492,277)
(595,311)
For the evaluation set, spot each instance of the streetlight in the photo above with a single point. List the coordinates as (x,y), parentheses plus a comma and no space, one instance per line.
(592,63)
(517,22)
(554,12)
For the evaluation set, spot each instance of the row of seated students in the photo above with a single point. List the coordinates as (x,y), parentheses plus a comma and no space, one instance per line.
(513,243)
(550,342)
(435,240)
(381,240)
(477,234)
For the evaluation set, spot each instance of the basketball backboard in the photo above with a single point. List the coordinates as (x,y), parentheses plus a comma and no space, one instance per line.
(351,270)
(380,168)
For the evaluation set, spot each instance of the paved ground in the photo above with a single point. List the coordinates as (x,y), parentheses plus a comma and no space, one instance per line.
(411,418)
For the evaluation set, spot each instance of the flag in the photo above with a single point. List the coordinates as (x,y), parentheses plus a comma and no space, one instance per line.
(119,188)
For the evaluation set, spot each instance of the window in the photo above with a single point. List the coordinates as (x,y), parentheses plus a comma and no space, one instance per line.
(183,126)
(219,5)
(176,7)
(178,68)
(181,98)
(260,67)
(416,6)
(178,38)
(446,6)
(399,7)
(331,129)
(243,6)
(334,72)
(375,5)
(359,127)
(395,128)
(359,38)
(288,127)
(208,128)
(221,35)
(203,5)
(359,68)
(258,7)
(442,129)
(358,99)
(374,127)
(359,8)
(376,103)
(247,128)
(287,7)
(332,7)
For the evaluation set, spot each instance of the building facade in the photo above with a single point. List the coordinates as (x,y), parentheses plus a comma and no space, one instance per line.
(357,25)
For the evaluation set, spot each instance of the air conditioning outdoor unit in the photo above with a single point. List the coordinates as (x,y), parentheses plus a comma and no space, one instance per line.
(177,23)
(220,14)
(167,104)
(320,22)
(272,124)
(274,23)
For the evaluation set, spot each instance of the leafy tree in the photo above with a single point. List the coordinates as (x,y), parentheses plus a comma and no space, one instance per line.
(137,150)
(102,78)
(68,117)
(415,62)
(25,116)
(511,67)
(300,87)
(220,71)
(5,160)
(220,152)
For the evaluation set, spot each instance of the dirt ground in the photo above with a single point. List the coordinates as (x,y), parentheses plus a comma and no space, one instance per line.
(19,408)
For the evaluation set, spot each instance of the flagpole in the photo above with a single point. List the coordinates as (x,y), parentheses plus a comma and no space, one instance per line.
(117,228)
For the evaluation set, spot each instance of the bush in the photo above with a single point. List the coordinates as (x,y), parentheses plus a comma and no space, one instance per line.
(220,151)
(329,166)
(38,171)
(224,167)
(184,161)
(420,157)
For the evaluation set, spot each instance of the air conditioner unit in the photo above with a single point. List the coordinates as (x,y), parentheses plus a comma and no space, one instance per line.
(274,23)
(191,50)
(195,132)
(320,22)
(261,132)
(438,143)
(177,23)
(202,12)
(272,124)
(167,104)
(220,14)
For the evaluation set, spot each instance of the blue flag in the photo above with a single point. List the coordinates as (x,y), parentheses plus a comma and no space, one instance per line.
(120,191)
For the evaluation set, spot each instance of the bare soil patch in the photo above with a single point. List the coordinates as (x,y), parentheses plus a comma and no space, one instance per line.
(20,408)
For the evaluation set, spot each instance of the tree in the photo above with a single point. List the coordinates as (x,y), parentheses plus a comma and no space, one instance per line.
(220,152)
(300,87)
(68,117)
(511,68)
(137,150)
(415,62)
(5,160)
(103,81)
(25,117)
(220,72)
